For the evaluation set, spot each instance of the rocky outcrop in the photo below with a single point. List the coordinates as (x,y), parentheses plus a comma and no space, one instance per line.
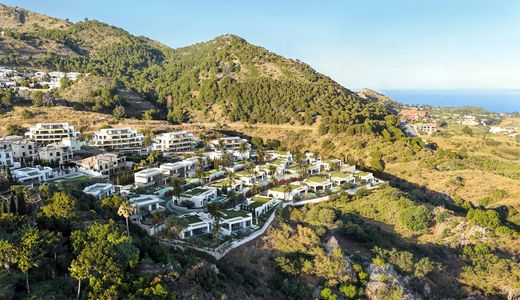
(384,281)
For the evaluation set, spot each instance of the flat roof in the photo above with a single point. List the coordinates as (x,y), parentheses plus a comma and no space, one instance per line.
(341,175)
(230,214)
(317,179)
(195,192)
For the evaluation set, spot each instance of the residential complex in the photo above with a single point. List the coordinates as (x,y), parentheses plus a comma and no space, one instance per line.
(180,141)
(46,133)
(117,139)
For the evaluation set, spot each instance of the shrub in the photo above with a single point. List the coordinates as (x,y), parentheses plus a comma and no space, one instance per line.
(415,218)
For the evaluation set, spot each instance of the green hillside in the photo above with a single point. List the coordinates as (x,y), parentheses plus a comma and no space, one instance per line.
(241,81)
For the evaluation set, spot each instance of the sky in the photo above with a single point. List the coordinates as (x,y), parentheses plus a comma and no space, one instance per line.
(379,44)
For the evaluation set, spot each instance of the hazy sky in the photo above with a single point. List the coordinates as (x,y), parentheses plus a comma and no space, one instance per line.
(385,44)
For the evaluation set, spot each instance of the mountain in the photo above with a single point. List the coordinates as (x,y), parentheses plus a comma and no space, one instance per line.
(224,79)
(375,96)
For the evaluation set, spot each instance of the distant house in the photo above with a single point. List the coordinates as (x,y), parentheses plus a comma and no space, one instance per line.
(429,128)
(150,177)
(145,205)
(235,185)
(181,169)
(230,143)
(22,149)
(100,190)
(339,178)
(55,152)
(329,164)
(31,175)
(251,177)
(280,192)
(200,196)
(259,205)
(6,158)
(318,183)
(413,113)
(366,176)
(104,164)
(235,220)
(196,224)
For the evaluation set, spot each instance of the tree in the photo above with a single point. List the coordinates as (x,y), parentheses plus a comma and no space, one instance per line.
(30,252)
(177,183)
(415,218)
(60,210)
(287,189)
(466,130)
(8,254)
(242,149)
(214,210)
(126,210)
(119,112)
(104,255)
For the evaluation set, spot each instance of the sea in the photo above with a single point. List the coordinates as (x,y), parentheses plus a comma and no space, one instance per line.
(491,100)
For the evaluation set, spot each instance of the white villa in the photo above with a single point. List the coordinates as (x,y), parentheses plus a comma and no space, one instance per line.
(182,169)
(200,196)
(180,141)
(366,176)
(104,164)
(317,183)
(328,164)
(46,133)
(197,224)
(339,178)
(234,220)
(100,190)
(29,175)
(236,185)
(259,205)
(145,204)
(252,177)
(280,192)
(150,177)
(117,139)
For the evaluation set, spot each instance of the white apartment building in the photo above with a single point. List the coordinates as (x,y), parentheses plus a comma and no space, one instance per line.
(230,143)
(104,164)
(28,175)
(180,141)
(117,139)
(55,152)
(46,133)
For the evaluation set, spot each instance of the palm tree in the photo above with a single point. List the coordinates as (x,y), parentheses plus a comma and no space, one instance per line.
(177,186)
(232,176)
(287,189)
(260,155)
(126,210)
(242,149)
(201,174)
(214,210)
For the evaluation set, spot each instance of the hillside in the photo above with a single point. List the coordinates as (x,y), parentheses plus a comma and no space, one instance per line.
(225,77)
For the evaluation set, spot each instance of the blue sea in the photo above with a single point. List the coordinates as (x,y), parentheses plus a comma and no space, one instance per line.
(492,100)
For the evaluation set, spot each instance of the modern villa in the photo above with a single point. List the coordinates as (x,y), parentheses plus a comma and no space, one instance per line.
(200,196)
(234,220)
(259,205)
(339,178)
(230,143)
(181,169)
(30,175)
(100,190)
(280,192)
(317,183)
(145,205)
(104,164)
(150,177)
(196,224)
